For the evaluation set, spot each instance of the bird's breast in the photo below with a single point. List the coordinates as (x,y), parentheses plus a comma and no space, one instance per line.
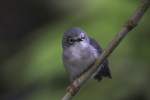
(81,55)
(78,58)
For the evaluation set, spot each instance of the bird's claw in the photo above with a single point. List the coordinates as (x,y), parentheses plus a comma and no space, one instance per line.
(73,89)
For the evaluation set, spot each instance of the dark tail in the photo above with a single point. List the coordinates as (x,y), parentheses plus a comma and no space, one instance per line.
(103,71)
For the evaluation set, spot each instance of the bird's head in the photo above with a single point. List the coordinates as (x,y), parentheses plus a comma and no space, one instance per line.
(74,36)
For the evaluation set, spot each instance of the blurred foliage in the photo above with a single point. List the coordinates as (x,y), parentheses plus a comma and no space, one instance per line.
(36,72)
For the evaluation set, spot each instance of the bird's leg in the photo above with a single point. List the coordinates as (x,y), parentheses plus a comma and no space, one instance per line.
(73,88)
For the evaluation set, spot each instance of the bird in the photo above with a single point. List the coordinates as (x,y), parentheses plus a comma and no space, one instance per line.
(79,53)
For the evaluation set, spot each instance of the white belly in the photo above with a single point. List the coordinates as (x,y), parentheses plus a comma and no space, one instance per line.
(78,58)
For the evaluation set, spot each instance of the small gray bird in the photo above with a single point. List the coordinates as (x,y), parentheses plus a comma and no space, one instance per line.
(80,52)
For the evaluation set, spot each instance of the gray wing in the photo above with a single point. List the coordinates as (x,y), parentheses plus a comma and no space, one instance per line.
(103,70)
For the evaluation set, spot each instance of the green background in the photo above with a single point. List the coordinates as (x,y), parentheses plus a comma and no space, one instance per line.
(36,71)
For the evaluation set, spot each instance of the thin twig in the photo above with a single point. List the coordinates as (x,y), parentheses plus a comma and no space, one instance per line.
(132,23)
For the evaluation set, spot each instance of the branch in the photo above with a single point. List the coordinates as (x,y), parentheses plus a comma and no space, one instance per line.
(132,23)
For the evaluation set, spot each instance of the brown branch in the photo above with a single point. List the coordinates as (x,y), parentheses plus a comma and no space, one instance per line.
(132,22)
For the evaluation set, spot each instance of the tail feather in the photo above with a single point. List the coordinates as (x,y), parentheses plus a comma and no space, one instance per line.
(103,71)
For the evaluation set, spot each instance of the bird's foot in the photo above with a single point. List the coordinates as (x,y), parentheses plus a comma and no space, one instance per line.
(73,89)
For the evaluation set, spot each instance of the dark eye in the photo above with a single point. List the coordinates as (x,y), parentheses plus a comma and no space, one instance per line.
(70,40)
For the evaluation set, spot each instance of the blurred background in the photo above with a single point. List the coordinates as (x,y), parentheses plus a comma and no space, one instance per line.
(30,49)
